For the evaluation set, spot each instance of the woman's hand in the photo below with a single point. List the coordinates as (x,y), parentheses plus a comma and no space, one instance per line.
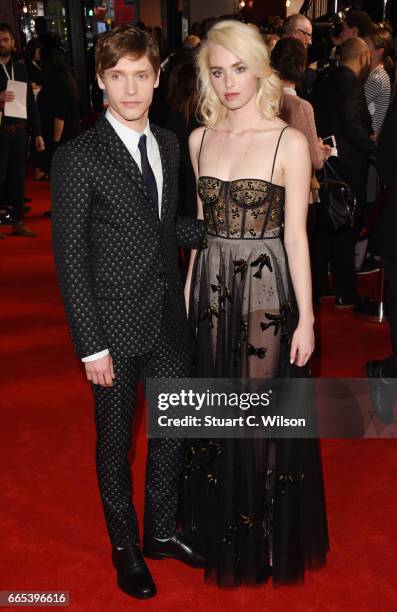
(40,145)
(302,345)
(326,150)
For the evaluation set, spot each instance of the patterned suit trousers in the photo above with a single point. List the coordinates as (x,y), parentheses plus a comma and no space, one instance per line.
(114,412)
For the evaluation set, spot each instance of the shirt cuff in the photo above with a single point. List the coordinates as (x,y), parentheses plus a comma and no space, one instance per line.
(95,356)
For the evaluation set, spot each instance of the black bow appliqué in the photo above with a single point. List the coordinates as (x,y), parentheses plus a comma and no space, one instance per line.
(276,321)
(262,261)
(209,313)
(240,267)
(237,352)
(285,479)
(257,352)
(224,292)
(230,532)
(212,480)
(247,521)
(215,447)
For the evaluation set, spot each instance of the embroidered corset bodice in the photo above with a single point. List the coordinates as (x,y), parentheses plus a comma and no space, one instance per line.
(243,208)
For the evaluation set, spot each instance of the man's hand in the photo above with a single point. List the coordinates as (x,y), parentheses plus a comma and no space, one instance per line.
(40,146)
(6,96)
(100,371)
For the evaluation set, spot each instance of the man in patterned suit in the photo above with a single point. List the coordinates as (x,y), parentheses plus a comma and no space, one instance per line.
(116,234)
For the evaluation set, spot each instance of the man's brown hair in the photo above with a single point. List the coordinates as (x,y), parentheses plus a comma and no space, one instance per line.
(125,41)
(360,20)
(5,27)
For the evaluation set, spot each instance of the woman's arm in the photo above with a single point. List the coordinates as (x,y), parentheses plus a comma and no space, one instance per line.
(382,103)
(317,153)
(297,185)
(59,124)
(60,101)
(195,139)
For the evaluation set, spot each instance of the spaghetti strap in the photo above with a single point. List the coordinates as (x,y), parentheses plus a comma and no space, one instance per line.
(275,154)
(201,146)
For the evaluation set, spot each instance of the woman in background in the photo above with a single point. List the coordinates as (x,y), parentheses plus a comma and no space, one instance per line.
(289,59)
(181,119)
(35,73)
(32,63)
(377,93)
(377,86)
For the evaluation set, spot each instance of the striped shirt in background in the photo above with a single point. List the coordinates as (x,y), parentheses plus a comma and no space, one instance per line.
(377,94)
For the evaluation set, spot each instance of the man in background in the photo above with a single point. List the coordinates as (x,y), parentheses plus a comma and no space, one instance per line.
(356,24)
(14,132)
(383,373)
(300,27)
(341,111)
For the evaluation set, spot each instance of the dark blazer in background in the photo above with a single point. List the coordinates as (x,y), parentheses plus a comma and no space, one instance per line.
(187,180)
(387,167)
(386,162)
(341,110)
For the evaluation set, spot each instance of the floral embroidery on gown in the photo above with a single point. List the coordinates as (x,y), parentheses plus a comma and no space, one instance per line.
(256,506)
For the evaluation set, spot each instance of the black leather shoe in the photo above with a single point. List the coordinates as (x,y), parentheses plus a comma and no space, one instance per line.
(133,576)
(179,547)
(6,217)
(383,394)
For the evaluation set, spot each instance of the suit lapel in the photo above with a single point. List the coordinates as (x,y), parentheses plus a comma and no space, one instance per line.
(113,146)
(164,156)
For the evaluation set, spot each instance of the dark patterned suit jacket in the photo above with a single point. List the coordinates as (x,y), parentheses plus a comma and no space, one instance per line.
(115,258)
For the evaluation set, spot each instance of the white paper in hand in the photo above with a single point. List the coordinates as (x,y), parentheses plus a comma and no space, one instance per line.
(16,108)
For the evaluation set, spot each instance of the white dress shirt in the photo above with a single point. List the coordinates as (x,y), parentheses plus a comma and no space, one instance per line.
(130,139)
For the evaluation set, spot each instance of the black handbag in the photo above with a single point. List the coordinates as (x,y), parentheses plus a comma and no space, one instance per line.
(338,201)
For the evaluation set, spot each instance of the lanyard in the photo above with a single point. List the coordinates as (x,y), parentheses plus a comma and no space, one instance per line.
(10,78)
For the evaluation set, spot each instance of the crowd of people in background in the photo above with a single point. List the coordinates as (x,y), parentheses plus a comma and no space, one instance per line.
(338,81)
(344,92)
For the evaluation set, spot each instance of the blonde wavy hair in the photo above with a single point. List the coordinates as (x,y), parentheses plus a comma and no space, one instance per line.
(247,44)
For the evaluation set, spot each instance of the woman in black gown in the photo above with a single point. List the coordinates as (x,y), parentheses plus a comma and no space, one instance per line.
(256,506)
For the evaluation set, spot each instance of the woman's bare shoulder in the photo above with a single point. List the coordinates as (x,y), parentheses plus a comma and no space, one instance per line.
(196,137)
(294,140)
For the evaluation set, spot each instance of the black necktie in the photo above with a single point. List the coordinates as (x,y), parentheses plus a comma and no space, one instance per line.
(147,172)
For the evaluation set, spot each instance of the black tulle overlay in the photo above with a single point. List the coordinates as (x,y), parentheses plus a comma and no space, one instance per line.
(256,506)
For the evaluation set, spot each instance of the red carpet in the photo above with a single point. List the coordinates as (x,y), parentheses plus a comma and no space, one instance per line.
(51,526)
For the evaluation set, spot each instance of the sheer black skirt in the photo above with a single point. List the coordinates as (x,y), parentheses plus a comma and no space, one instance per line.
(255,506)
